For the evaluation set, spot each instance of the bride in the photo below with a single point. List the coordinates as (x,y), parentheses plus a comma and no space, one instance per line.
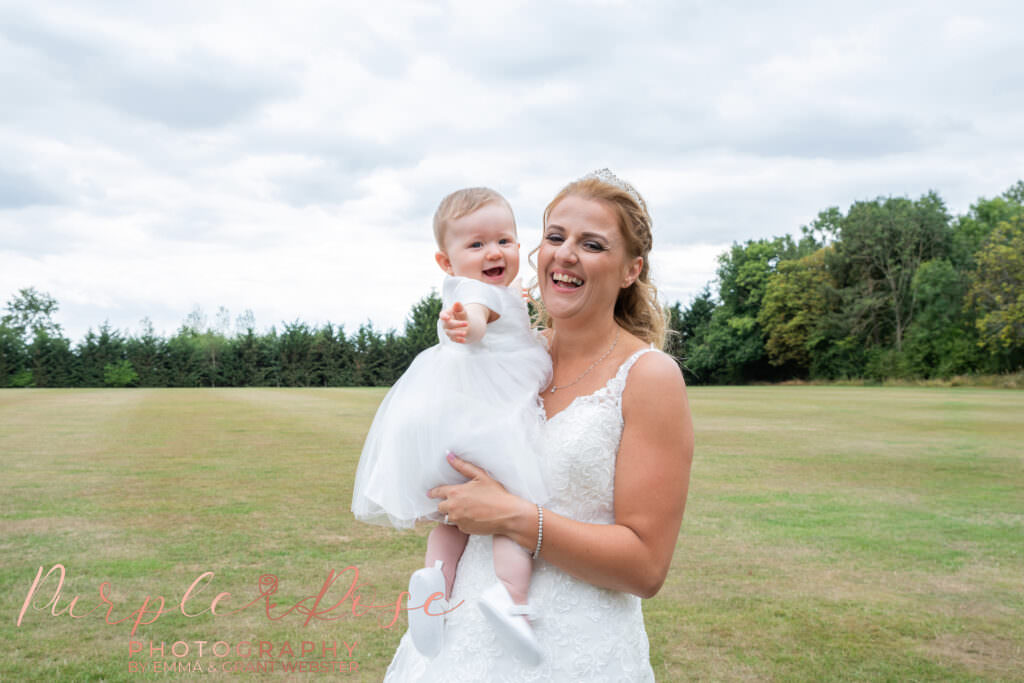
(616,448)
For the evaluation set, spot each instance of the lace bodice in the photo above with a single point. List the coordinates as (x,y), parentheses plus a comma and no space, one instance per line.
(579,448)
(587,633)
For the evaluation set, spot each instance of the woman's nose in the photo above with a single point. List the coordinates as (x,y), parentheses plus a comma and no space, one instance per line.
(565,253)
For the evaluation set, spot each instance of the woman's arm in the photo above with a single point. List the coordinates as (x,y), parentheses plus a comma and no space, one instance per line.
(652,475)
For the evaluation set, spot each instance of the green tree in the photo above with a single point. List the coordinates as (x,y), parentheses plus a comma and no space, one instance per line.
(822,231)
(369,367)
(971,230)
(731,353)
(794,305)
(941,341)
(95,352)
(30,312)
(295,350)
(184,359)
(331,357)
(420,330)
(881,244)
(120,374)
(689,329)
(50,360)
(13,356)
(33,350)
(252,359)
(732,347)
(997,291)
(148,356)
(211,347)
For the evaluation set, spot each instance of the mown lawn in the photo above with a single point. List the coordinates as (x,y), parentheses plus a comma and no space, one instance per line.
(832,533)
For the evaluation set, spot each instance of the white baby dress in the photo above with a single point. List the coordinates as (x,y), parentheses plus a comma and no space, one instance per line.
(479,401)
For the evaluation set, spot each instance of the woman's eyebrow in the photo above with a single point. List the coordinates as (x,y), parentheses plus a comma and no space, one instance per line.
(587,234)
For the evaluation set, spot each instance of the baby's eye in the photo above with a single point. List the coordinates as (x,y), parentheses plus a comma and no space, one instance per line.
(504,240)
(476,245)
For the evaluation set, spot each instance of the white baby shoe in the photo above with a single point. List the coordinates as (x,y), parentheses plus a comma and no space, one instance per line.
(427,630)
(509,622)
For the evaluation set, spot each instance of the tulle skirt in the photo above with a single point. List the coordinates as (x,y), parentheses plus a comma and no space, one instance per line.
(478,403)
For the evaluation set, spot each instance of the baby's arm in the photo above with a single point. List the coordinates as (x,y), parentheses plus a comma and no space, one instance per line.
(466,324)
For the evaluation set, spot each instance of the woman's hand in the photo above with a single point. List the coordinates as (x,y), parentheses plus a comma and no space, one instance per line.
(481,505)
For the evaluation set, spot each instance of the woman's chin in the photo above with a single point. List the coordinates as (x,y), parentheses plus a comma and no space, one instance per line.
(558,306)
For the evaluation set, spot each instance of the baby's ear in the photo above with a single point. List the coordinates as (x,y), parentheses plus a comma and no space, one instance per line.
(443,261)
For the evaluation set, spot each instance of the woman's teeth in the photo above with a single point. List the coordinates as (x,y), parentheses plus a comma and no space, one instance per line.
(568,279)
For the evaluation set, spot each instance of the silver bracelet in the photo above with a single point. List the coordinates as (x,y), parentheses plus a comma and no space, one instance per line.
(540,531)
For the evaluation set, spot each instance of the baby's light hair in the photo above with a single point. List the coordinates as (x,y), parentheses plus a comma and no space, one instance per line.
(462,203)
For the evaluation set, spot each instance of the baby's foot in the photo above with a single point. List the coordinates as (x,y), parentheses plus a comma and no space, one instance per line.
(427,630)
(510,623)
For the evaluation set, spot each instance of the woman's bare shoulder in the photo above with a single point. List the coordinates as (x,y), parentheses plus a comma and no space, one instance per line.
(654,375)
(654,403)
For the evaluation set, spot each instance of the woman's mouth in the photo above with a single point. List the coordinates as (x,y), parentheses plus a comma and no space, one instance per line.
(565,281)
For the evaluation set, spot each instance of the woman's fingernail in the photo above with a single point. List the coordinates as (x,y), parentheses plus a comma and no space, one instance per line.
(451,457)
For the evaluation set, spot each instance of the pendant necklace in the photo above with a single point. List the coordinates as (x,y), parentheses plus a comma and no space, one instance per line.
(593,365)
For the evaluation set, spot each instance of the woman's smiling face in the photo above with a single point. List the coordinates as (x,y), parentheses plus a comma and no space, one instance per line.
(582,261)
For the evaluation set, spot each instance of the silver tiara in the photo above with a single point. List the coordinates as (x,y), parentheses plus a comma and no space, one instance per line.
(606,176)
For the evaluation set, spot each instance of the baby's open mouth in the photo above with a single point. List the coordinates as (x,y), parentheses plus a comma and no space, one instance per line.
(497,271)
(566,280)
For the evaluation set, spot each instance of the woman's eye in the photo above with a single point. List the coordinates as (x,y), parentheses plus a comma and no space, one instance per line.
(554,238)
(593,246)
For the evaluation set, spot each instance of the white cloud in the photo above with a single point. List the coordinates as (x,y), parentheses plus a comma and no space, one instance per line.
(288,159)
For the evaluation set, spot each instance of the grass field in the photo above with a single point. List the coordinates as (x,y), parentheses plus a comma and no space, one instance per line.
(832,533)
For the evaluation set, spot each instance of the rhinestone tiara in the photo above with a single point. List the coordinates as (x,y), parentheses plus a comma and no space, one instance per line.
(606,176)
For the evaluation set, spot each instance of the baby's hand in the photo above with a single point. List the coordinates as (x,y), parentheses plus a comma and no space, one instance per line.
(455,323)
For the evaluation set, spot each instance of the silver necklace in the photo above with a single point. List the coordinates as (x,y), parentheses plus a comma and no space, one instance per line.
(593,365)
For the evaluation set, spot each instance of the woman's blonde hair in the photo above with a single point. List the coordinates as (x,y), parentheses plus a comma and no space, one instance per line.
(637,308)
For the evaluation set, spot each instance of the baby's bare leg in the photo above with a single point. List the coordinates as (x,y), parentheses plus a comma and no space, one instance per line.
(514,567)
(445,543)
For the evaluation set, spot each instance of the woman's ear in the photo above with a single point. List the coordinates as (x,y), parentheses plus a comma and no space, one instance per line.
(633,272)
(443,261)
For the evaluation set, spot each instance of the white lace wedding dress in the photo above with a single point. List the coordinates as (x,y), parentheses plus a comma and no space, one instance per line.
(586,633)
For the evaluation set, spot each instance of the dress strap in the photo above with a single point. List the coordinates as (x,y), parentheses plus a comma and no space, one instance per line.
(619,382)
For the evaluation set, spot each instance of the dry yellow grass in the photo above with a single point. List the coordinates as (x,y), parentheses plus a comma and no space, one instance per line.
(833,533)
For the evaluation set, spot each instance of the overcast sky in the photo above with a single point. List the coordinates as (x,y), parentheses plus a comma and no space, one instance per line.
(287,157)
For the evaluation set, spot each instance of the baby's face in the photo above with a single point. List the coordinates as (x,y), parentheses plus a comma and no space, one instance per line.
(482,245)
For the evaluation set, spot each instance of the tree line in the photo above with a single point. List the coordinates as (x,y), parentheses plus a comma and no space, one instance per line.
(892,288)
(35,352)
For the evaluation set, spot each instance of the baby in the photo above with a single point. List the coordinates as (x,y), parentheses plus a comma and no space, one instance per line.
(475,395)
